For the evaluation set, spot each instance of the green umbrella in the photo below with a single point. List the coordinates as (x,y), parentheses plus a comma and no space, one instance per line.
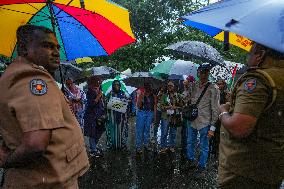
(107,85)
(175,69)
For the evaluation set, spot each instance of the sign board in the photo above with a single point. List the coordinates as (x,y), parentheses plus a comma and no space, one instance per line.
(117,104)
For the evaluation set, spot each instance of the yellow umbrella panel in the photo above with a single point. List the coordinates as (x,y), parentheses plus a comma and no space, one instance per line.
(219,34)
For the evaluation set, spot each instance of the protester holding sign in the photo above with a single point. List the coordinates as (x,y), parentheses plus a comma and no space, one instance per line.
(117,121)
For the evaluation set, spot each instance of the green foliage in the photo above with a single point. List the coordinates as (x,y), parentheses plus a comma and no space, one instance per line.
(3,62)
(156,25)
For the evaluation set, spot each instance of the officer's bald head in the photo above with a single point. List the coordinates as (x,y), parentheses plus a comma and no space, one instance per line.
(27,33)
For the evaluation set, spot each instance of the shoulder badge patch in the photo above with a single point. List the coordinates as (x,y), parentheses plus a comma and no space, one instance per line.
(250,85)
(38,87)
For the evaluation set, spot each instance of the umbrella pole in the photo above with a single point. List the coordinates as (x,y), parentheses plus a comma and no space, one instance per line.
(82,4)
(61,78)
(53,22)
(226,41)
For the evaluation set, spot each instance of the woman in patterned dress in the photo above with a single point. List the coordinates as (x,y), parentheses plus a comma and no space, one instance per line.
(117,122)
(77,100)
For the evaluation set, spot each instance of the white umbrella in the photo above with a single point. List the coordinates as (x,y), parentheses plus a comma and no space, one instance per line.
(127,72)
(221,72)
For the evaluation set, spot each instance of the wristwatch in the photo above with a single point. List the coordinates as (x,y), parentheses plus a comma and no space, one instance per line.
(221,114)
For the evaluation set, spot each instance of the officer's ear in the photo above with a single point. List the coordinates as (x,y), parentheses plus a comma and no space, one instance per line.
(260,56)
(22,50)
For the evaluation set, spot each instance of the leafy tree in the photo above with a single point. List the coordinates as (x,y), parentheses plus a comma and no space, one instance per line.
(156,25)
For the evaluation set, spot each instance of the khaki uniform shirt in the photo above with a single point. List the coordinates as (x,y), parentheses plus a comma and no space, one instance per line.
(248,104)
(260,155)
(208,107)
(22,111)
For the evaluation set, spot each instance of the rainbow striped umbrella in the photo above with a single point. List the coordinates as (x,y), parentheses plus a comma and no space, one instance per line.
(98,29)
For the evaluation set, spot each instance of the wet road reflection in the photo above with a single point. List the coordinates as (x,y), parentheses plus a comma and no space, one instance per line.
(125,170)
(121,169)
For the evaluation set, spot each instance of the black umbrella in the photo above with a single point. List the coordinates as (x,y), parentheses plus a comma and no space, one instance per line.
(197,50)
(68,71)
(138,79)
(102,72)
(105,72)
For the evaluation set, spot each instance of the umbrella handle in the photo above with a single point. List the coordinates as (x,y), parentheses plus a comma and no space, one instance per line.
(61,78)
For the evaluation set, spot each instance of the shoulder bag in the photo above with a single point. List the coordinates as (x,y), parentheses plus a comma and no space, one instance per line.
(190,112)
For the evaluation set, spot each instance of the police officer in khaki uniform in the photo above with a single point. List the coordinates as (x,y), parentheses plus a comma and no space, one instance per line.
(43,144)
(252,132)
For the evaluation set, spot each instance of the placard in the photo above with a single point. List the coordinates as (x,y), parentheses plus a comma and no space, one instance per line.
(117,104)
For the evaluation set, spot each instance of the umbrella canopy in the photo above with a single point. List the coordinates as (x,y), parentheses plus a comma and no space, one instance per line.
(175,69)
(83,60)
(259,20)
(107,86)
(104,71)
(221,72)
(68,71)
(198,50)
(138,79)
(99,29)
(127,72)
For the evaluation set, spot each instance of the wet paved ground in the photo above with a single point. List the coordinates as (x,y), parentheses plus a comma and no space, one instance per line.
(124,170)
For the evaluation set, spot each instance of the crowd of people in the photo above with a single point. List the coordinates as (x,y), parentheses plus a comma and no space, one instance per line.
(161,109)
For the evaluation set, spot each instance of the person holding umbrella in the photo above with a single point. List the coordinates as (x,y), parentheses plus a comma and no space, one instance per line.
(171,114)
(158,114)
(117,122)
(77,99)
(146,104)
(94,117)
(252,134)
(186,94)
